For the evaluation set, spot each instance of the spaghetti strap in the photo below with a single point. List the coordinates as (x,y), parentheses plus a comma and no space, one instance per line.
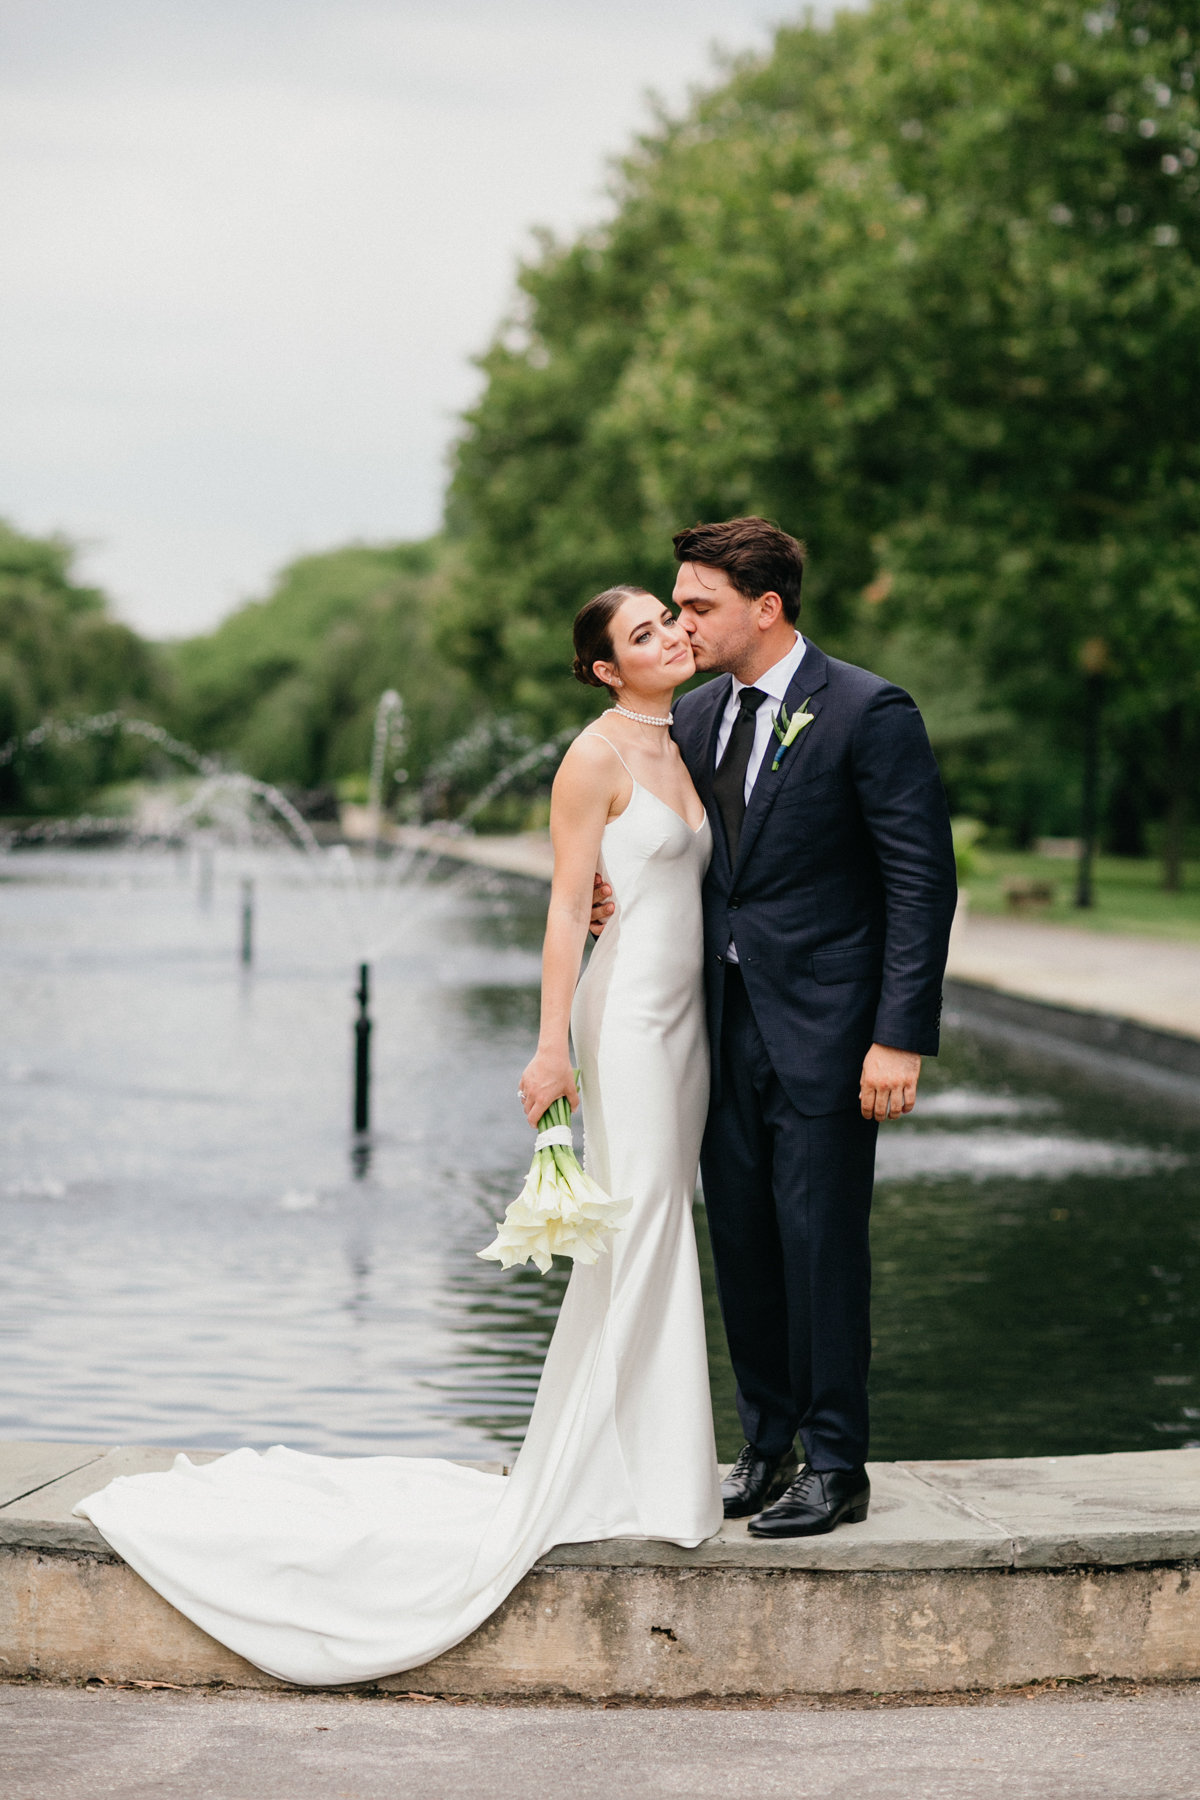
(592,732)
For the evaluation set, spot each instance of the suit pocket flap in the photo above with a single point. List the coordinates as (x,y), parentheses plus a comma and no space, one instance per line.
(864,963)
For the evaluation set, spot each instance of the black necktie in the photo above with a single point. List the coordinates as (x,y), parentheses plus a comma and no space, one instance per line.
(729,782)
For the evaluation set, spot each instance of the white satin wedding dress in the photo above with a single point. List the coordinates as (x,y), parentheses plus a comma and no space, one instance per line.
(324,1570)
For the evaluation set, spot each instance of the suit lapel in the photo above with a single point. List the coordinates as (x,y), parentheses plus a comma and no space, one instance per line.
(807,682)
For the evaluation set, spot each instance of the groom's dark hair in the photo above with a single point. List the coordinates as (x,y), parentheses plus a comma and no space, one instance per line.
(756,555)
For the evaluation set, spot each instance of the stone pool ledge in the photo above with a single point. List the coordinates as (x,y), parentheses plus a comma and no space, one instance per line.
(966,1575)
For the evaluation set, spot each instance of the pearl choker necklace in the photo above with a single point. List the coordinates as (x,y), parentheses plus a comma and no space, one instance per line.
(644,718)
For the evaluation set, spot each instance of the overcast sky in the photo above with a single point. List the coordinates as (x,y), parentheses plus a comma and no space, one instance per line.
(249,247)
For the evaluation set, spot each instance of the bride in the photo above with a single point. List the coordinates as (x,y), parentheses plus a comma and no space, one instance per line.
(324,1570)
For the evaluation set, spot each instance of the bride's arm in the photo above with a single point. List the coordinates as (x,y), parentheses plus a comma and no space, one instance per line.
(587,789)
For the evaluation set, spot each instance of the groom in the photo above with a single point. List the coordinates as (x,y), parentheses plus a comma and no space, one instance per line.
(827,911)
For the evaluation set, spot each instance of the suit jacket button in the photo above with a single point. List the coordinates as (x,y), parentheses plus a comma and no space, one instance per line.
(734,903)
(720,958)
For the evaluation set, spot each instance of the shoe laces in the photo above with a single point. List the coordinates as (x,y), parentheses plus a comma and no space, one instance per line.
(748,1455)
(805,1480)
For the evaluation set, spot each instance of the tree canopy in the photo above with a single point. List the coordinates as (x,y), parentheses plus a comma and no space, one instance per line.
(922,286)
(63,653)
(287,686)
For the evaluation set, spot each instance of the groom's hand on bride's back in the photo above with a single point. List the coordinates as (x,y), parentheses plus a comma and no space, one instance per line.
(889,1082)
(602,906)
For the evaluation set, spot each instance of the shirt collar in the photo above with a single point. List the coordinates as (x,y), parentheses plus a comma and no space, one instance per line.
(774,683)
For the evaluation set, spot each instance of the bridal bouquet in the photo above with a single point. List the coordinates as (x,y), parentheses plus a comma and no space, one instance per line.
(560,1211)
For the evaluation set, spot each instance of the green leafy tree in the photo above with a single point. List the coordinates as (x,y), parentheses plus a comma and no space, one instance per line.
(63,655)
(923,287)
(287,687)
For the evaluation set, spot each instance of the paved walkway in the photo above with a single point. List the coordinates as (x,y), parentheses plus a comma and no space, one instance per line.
(519,853)
(71,1744)
(1154,981)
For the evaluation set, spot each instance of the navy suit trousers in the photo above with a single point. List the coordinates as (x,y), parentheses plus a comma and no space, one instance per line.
(788,1199)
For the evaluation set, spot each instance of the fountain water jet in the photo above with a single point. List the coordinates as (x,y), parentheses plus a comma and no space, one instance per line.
(375,898)
(524,765)
(390,734)
(65,732)
(238,818)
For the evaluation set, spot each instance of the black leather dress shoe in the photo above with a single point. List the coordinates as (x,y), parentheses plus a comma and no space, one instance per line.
(816,1501)
(754,1481)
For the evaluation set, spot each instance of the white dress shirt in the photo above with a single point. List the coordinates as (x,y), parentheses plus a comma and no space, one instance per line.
(774,684)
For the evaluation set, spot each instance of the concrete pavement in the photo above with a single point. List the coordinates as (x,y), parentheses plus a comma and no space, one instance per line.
(1152,980)
(511,853)
(75,1744)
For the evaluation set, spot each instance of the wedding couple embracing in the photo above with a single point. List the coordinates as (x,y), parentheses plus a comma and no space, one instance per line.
(769,873)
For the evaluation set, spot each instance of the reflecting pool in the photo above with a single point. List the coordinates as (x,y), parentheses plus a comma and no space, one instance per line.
(192,1257)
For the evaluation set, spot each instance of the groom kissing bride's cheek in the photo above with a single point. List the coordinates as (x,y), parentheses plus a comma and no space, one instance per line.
(827,907)
(775,889)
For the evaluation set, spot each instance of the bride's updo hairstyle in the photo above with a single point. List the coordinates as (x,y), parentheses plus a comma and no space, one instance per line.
(593,633)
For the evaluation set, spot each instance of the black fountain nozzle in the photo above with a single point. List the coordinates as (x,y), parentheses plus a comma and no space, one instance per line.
(362,1052)
(247,921)
(206,876)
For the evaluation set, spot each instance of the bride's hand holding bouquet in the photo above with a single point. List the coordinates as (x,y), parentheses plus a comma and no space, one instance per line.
(633,646)
(560,1211)
(547,1078)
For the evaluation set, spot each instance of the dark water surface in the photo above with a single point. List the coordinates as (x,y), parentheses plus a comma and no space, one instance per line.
(191,1258)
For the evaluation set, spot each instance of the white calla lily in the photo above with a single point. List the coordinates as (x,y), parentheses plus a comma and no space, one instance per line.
(793,727)
(560,1211)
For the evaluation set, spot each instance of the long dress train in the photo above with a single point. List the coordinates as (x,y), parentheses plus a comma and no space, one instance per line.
(323,1570)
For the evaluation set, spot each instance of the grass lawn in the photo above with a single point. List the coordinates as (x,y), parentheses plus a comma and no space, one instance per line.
(1129,894)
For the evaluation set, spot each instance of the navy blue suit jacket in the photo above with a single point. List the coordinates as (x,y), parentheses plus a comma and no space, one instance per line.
(842,897)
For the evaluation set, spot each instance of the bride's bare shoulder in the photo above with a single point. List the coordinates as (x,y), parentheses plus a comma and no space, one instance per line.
(592,756)
(591,775)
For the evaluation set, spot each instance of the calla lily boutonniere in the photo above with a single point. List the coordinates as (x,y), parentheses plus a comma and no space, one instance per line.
(789,730)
